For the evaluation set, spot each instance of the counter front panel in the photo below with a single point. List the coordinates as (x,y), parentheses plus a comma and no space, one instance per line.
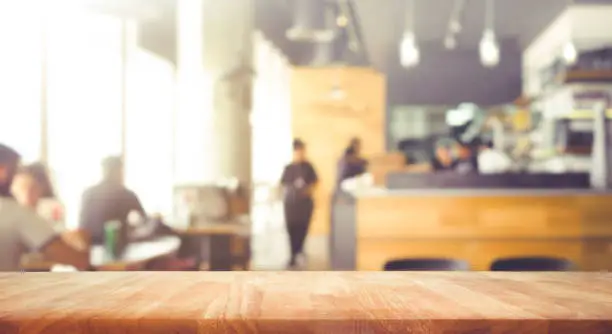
(482,226)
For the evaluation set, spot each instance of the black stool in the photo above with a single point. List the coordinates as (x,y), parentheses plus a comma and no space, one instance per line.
(535,263)
(426,264)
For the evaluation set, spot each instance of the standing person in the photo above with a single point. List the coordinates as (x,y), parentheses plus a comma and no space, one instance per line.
(299,180)
(23,231)
(351,164)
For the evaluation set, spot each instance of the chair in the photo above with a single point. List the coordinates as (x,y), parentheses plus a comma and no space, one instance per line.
(426,264)
(536,263)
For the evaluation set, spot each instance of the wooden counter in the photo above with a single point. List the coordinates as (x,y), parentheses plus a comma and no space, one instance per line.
(372,227)
(482,225)
(306,302)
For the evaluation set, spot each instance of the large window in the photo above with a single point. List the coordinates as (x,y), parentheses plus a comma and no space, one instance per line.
(20,79)
(85,87)
(149,129)
(76,88)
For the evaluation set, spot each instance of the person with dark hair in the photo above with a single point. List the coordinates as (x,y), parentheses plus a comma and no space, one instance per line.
(22,230)
(444,155)
(351,164)
(32,188)
(108,201)
(31,184)
(298,181)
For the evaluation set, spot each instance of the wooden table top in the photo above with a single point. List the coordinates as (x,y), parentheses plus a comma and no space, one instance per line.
(305,302)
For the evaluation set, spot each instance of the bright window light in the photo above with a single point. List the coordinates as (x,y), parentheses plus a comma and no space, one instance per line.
(84,100)
(21,79)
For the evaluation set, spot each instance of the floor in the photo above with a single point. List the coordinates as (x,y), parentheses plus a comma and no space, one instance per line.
(270,245)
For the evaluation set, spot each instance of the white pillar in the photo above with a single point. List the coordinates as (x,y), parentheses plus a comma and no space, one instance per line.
(213,133)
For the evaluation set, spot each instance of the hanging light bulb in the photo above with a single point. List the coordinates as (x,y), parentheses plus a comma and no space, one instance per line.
(450,42)
(409,52)
(455,27)
(570,54)
(489,50)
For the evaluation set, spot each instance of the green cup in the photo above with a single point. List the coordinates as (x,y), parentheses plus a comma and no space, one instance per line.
(111,238)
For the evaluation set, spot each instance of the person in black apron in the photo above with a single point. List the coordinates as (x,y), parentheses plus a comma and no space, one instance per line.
(298,180)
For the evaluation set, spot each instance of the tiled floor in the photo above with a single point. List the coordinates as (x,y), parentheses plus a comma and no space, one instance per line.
(270,245)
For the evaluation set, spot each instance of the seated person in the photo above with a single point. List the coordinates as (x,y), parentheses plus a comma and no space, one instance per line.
(108,201)
(32,188)
(23,231)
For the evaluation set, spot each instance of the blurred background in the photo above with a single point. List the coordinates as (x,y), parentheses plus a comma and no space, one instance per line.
(202,99)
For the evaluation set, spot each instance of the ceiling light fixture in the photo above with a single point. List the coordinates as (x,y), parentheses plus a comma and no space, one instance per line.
(342,20)
(450,42)
(455,26)
(409,51)
(489,49)
(570,53)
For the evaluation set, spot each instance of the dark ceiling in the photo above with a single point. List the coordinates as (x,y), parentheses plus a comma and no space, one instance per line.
(381,22)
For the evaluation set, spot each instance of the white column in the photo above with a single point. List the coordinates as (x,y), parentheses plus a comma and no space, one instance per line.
(213,133)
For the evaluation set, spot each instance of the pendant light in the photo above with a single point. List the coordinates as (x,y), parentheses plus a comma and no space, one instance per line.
(409,51)
(454,25)
(570,53)
(489,49)
(450,42)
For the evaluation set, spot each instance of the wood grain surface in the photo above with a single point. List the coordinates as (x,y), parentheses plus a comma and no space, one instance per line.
(306,302)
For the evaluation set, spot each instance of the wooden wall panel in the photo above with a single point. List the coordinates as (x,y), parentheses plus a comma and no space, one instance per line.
(327,125)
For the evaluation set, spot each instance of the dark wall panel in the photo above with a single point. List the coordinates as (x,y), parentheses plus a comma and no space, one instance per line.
(451,77)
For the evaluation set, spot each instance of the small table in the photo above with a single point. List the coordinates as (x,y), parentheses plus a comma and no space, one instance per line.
(306,302)
(136,254)
(218,246)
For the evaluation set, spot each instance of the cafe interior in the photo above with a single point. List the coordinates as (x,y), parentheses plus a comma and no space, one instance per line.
(305,166)
(201,100)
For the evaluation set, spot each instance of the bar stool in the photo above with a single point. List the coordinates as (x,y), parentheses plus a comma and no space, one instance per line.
(426,264)
(533,263)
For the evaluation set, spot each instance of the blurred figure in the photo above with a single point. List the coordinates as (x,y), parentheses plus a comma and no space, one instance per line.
(23,231)
(451,155)
(443,156)
(108,201)
(31,184)
(351,164)
(467,159)
(32,188)
(298,181)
